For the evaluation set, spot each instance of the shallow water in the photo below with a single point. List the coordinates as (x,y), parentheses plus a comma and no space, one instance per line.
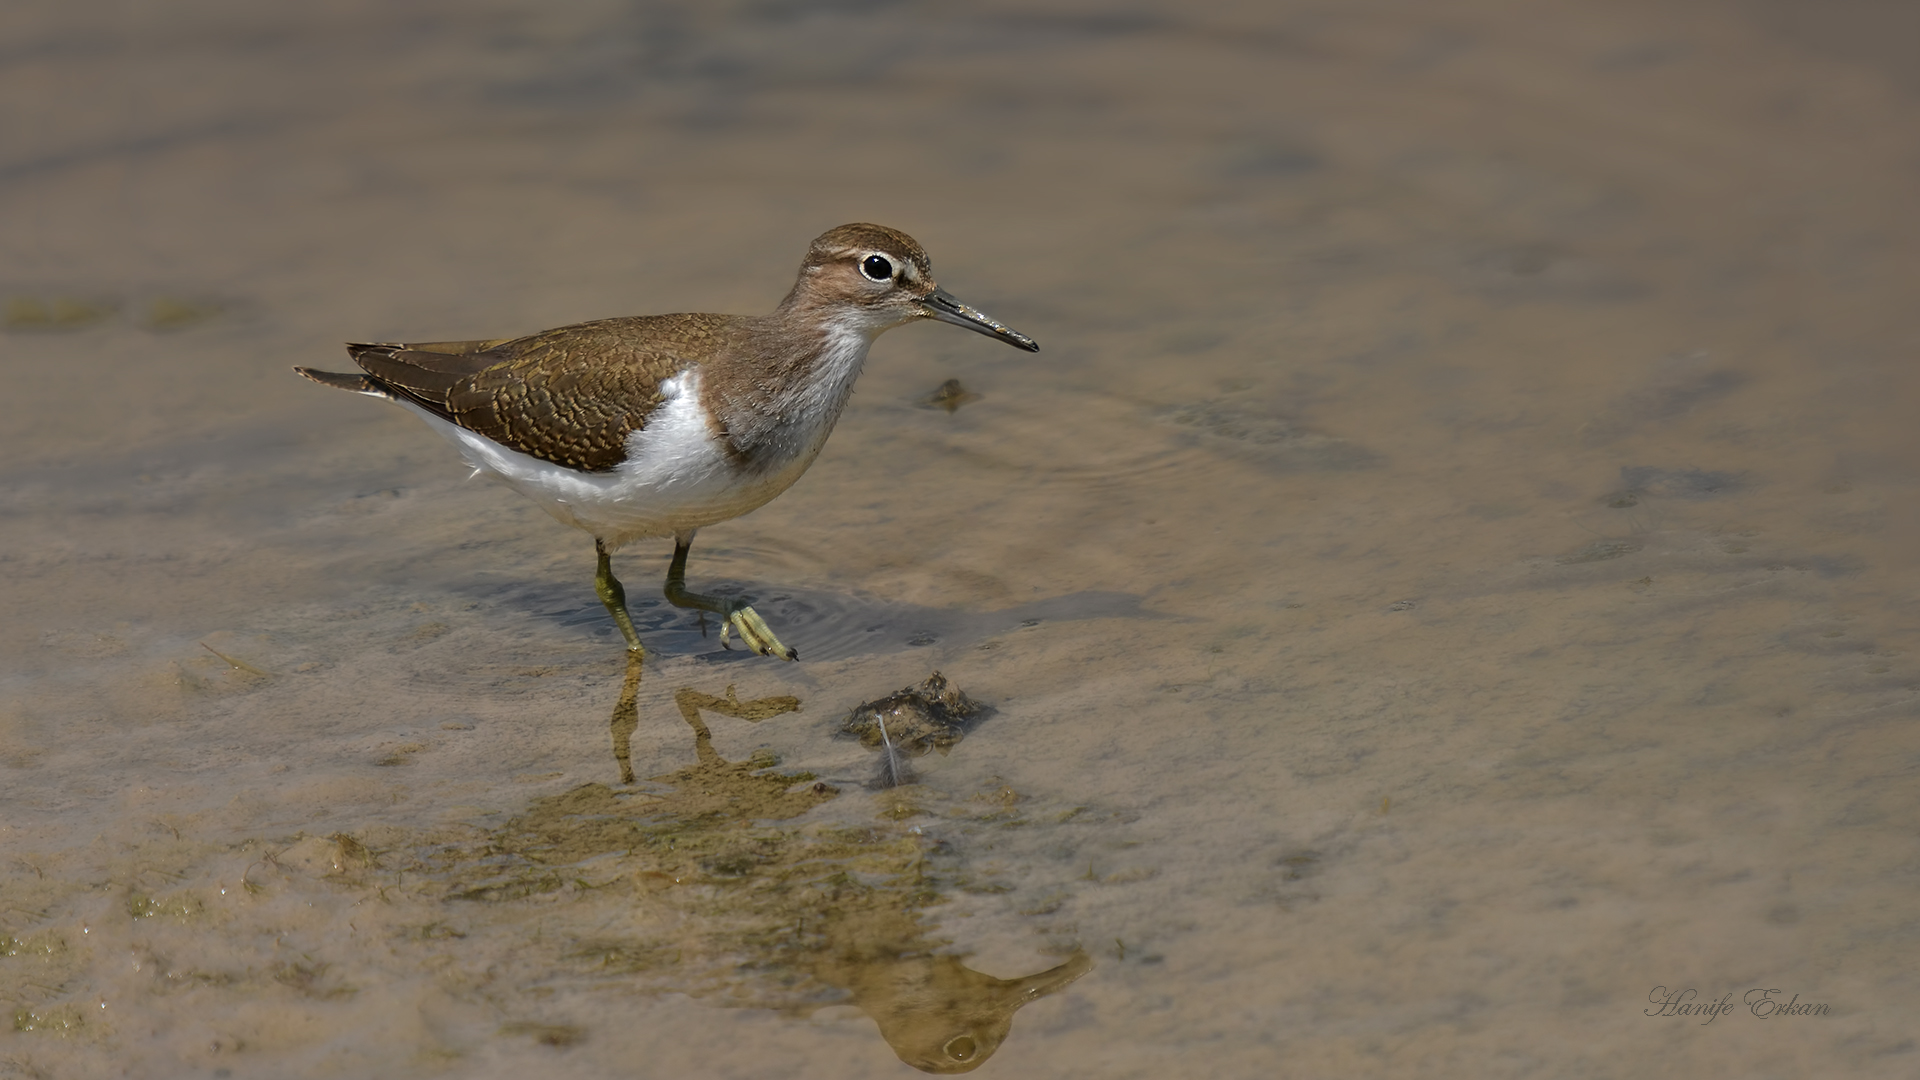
(1449,572)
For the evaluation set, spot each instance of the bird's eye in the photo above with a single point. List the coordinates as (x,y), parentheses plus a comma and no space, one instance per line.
(877,268)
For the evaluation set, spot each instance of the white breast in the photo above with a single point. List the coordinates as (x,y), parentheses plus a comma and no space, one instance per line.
(803,415)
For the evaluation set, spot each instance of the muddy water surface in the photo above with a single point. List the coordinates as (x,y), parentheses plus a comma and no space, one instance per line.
(1450,572)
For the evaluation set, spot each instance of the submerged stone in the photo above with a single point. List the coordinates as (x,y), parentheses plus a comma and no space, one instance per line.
(932,716)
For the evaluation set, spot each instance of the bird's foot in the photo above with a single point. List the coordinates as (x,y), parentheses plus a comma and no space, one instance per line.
(754,632)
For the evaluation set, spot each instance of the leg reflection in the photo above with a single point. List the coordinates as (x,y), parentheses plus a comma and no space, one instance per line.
(691,701)
(626,715)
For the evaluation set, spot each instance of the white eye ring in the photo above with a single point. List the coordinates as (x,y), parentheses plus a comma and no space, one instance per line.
(877,268)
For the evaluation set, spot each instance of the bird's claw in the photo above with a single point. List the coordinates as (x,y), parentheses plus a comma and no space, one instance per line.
(754,632)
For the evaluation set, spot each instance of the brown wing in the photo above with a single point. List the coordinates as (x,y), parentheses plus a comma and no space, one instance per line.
(570,396)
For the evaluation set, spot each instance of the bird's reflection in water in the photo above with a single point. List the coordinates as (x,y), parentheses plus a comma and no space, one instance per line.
(938,1014)
(791,919)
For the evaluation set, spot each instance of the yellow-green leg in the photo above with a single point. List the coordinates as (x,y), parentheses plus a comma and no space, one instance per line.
(754,631)
(615,597)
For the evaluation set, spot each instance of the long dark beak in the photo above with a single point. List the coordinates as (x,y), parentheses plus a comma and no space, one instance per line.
(941,305)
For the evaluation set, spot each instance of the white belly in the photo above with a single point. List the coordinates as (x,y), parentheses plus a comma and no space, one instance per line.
(676,478)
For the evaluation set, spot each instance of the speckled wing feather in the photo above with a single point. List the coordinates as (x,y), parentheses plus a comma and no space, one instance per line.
(570,396)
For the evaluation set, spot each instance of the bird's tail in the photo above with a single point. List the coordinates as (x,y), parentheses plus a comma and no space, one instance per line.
(359,384)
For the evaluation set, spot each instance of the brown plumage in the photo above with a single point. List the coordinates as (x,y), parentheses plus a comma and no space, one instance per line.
(570,395)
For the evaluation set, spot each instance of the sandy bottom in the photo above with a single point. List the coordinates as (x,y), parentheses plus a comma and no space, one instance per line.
(1447,585)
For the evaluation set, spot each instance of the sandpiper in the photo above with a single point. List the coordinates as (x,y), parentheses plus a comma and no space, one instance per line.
(658,425)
